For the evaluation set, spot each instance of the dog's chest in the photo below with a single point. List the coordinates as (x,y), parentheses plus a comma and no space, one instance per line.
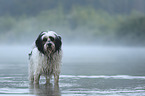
(47,67)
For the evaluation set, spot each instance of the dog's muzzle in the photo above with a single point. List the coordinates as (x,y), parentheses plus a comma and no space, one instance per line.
(49,47)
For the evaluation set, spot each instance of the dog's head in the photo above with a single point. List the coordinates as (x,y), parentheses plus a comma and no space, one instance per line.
(48,42)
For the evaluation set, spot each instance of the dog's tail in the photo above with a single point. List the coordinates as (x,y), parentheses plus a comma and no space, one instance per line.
(30,54)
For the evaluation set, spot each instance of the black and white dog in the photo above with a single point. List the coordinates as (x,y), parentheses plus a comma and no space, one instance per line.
(45,57)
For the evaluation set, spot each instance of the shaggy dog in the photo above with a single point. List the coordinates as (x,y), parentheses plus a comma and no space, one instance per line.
(45,57)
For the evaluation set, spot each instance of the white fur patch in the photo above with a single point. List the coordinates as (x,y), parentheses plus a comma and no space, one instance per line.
(42,64)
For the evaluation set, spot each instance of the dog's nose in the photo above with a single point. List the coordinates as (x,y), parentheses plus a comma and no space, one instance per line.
(49,44)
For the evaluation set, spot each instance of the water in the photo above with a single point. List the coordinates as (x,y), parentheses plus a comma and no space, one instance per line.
(86,71)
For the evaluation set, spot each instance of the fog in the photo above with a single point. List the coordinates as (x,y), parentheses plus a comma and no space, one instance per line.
(103,44)
(87,60)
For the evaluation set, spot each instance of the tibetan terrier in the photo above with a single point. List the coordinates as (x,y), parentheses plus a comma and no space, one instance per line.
(45,57)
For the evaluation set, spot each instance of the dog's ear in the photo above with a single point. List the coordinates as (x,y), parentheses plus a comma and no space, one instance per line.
(59,37)
(39,43)
(58,43)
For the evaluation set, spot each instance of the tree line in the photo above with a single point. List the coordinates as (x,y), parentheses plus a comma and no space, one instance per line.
(74,20)
(34,7)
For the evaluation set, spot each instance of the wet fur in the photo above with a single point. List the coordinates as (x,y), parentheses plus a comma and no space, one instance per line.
(41,63)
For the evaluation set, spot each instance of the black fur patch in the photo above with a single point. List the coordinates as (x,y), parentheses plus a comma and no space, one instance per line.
(58,43)
(39,43)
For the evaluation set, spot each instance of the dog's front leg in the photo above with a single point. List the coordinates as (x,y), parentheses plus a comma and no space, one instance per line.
(56,79)
(36,78)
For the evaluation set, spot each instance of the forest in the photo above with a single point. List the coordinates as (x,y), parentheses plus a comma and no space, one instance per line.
(109,22)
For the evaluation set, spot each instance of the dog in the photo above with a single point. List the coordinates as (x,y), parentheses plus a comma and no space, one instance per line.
(45,57)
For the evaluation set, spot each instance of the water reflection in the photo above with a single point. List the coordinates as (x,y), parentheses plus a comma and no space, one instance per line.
(45,90)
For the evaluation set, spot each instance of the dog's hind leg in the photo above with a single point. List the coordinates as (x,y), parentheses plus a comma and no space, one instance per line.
(48,79)
(36,78)
(31,73)
(31,78)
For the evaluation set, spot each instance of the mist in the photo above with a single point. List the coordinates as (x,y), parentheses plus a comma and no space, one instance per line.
(103,44)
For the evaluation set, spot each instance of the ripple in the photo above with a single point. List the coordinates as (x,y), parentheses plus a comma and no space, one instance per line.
(104,77)
(13,91)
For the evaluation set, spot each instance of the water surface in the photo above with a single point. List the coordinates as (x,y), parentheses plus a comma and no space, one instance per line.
(86,71)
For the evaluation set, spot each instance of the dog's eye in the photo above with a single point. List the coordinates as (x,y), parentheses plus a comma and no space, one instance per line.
(51,38)
(45,39)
